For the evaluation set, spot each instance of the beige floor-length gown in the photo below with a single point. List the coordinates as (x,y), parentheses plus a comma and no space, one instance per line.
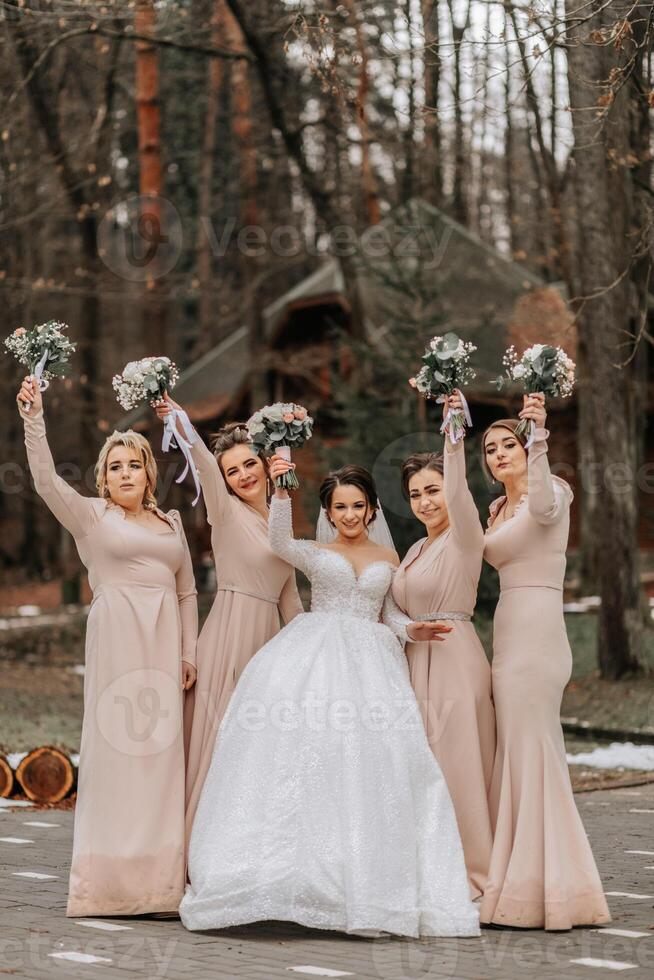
(452,679)
(128,846)
(254,586)
(542,871)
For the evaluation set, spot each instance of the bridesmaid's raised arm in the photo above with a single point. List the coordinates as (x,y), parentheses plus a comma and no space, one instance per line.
(78,514)
(549,498)
(214,490)
(462,511)
(461,508)
(186,598)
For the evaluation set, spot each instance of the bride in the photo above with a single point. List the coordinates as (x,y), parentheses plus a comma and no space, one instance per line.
(324,804)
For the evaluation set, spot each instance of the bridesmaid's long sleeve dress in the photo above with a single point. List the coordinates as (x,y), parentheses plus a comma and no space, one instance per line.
(542,871)
(128,846)
(254,587)
(452,679)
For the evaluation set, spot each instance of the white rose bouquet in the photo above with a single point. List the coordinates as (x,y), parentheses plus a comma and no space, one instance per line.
(280,428)
(148,380)
(43,349)
(445,369)
(542,368)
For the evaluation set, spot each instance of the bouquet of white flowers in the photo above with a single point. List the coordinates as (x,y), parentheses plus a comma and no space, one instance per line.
(280,428)
(145,380)
(445,369)
(542,368)
(148,380)
(43,349)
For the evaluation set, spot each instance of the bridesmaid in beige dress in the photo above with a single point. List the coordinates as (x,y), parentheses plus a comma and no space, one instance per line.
(542,871)
(438,580)
(254,587)
(128,846)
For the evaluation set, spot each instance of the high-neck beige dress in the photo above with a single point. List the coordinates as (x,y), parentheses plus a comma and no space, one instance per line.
(542,871)
(254,586)
(452,679)
(128,845)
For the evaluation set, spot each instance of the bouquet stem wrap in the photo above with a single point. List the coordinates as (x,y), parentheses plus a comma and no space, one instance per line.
(277,429)
(288,481)
(523,426)
(456,421)
(172,438)
(37,375)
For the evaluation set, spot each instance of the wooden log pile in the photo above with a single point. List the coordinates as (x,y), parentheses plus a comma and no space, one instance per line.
(44,775)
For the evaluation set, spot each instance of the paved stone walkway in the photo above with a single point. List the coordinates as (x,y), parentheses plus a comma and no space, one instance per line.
(37,940)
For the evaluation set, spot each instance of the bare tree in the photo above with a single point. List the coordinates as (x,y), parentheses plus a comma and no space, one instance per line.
(605,96)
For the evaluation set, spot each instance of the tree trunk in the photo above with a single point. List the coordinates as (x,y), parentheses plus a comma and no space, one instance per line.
(459,196)
(148,117)
(274,77)
(432,176)
(561,267)
(607,434)
(206,337)
(368,179)
(46,110)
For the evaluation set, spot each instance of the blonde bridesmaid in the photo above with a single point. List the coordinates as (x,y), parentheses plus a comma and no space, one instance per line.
(254,588)
(542,871)
(438,580)
(128,845)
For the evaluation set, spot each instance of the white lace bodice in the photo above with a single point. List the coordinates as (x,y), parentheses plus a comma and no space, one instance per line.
(335,586)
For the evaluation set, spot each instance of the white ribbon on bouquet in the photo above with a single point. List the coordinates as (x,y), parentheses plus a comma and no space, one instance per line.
(454,434)
(532,433)
(38,376)
(172,438)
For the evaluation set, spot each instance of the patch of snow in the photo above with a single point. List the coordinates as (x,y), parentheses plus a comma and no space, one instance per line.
(10,803)
(618,755)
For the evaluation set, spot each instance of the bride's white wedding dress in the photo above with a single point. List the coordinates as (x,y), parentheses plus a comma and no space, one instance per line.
(324,804)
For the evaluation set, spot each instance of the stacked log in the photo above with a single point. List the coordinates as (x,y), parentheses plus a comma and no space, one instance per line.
(44,775)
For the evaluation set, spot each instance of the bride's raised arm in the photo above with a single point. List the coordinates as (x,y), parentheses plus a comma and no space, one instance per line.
(280,535)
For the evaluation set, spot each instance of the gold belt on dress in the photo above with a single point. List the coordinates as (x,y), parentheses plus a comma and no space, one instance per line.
(430,617)
(226,587)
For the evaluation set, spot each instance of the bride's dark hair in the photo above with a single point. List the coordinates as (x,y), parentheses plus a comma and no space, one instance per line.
(350,476)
